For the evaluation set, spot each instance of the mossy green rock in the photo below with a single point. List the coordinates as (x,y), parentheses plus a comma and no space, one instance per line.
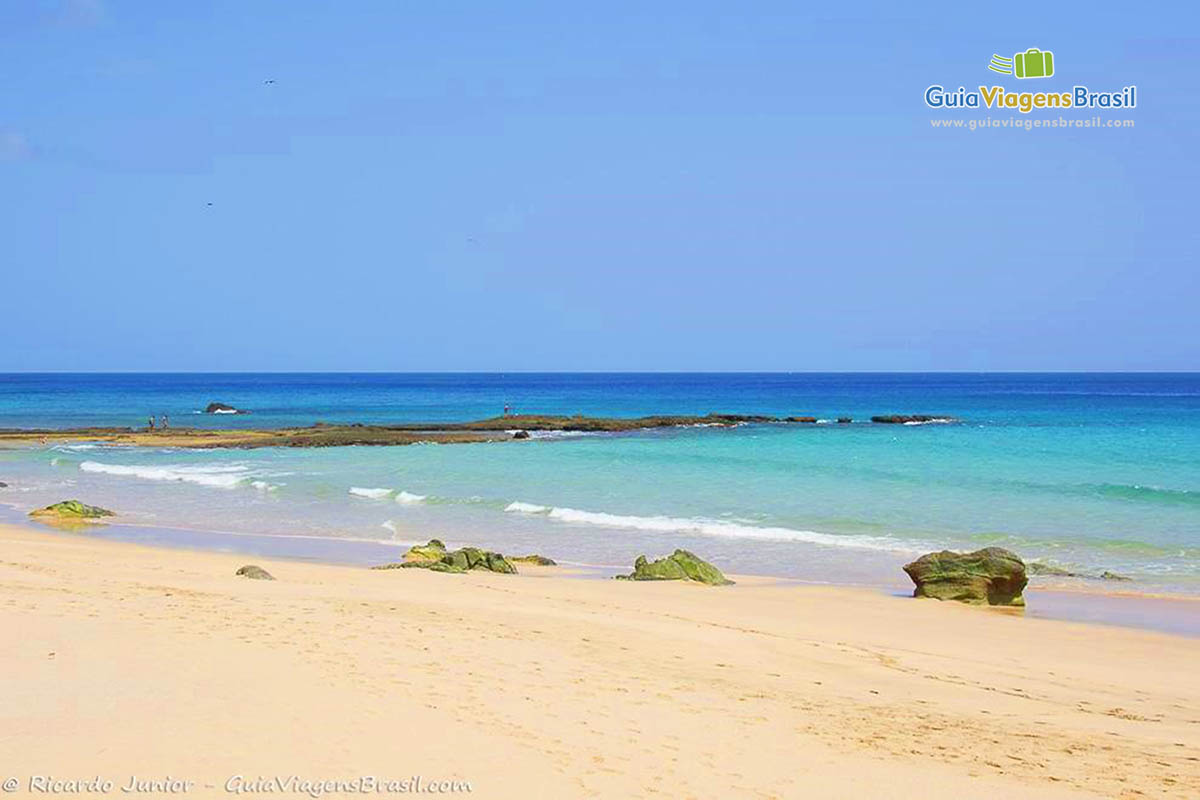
(535,559)
(991,576)
(681,565)
(432,551)
(72,509)
(453,561)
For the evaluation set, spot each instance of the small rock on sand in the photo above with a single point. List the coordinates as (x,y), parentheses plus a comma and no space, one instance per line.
(255,572)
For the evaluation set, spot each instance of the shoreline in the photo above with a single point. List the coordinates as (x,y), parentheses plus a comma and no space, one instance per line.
(1057,600)
(562,687)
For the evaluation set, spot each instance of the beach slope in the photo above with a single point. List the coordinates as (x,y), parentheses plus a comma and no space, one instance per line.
(122,660)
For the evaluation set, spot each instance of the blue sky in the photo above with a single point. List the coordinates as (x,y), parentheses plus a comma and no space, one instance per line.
(634,186)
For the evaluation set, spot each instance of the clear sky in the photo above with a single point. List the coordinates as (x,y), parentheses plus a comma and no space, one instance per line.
(630,186)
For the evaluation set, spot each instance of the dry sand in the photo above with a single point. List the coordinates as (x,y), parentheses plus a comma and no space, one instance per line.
(122,660)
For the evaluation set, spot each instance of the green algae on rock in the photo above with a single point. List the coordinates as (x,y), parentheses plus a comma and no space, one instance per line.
(535,559)
(72,510)
(434,556)
(433,550)
(991,576)
(681,565)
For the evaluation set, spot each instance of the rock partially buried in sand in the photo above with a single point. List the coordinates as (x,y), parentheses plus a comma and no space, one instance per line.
(991,576)
(681,565)
(221,408)
(71,510)
(255,572)
(434,556)
(533,558)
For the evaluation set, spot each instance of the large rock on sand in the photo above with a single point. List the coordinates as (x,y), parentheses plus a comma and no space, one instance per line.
(679,566)
(434,556)
(433,551)
(991,576)
(71,510)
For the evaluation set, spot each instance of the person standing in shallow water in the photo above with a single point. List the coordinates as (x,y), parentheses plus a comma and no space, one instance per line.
(151,425)
(162,423)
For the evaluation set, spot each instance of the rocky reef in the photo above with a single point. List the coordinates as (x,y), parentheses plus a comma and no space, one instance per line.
(681,565)
(71,510)
(254,572)
(434,556)
(991,576)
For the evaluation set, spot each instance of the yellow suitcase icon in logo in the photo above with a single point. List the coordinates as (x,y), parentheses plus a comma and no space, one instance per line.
(1034,63)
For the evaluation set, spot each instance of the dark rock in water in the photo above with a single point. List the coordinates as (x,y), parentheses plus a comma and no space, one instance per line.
(213,408)
(71,510)
(809,420)
(3,485)
(434,556)
(255,573)
(679,566)
(533,558)
(521,435)
(1112,576)
(903,419)
(992,576)
(845,420)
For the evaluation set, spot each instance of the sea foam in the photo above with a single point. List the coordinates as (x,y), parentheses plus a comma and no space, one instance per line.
(221,476)
(708,527)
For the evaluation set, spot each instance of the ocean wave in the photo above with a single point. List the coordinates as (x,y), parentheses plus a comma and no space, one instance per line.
(710,527)
(526,508)
(1187,497)
(220,476)
(372,494)
(406,498)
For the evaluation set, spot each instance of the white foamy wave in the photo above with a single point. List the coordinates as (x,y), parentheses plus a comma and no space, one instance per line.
(938,421)
(225,411)
(709,527)
(373,494)
(263,486)
(408,497)
(222,476)
(526,508)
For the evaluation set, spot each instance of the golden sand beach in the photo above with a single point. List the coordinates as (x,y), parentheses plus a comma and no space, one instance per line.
(122,660)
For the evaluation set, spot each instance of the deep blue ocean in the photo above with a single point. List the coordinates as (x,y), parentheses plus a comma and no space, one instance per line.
(1091,472)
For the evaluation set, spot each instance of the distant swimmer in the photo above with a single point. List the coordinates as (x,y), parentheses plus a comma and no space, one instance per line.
(269,81)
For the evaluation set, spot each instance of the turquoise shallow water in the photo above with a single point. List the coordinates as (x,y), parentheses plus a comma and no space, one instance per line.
(1093,472)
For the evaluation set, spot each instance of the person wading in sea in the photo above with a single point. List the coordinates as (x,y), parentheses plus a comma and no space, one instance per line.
(151,427)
